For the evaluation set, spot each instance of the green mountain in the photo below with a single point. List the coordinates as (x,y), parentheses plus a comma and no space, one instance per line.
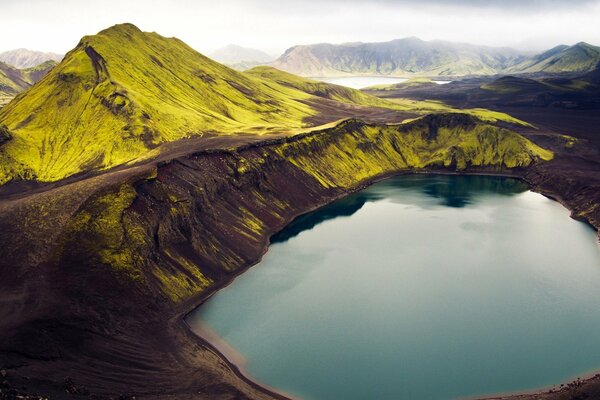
(581,57)
(120,94)
(415,57)
(23,58)
(401,57)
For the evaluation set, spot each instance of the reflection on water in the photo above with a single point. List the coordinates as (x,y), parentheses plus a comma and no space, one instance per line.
(419,287)
(452,191)
(455,191)
(341,208)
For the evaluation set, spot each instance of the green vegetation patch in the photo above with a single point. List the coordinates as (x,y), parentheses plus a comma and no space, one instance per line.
(354,152)
(120,94)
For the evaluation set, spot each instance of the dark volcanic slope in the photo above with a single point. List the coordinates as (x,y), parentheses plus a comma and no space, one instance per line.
(97,274)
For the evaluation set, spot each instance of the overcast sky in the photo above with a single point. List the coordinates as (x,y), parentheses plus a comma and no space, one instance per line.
(274,25)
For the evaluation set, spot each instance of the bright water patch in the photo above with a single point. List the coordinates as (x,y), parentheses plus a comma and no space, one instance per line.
(361,82)
(419,287)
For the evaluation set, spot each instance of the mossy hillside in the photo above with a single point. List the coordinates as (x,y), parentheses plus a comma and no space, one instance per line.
(581,57)
(346,95)
(425,107)
(122,92)
(11,79)
(34,74)
(354,152)
(320,89)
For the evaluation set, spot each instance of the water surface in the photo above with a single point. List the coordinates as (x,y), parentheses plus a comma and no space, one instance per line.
(419,287)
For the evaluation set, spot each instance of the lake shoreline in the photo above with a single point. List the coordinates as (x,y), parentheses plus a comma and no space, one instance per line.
(237,361)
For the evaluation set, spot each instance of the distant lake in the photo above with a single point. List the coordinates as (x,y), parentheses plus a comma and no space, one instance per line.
(361,82)
(419,287)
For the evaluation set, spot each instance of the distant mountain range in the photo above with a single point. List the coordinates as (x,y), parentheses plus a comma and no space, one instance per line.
(582,57)
(413,56)
(14,80)
(21,68)
(23,58)
(234,54)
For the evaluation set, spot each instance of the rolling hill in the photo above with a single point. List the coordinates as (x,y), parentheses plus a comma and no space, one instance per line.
(120,94)
(23,58)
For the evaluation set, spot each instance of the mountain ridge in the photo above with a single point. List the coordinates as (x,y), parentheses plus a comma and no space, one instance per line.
(412,56)
(24,58)
(14,80)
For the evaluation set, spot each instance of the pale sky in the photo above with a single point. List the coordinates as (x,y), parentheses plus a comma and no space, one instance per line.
(274,25)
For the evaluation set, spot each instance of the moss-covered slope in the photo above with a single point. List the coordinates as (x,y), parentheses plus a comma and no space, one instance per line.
(123,92)
(324,90)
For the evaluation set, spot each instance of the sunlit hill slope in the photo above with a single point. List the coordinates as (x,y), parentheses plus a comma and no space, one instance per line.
(123,92)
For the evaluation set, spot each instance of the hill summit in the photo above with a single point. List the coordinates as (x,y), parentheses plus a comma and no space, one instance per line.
(121,93)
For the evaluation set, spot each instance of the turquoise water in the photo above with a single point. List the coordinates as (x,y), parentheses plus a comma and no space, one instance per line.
(419,287)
